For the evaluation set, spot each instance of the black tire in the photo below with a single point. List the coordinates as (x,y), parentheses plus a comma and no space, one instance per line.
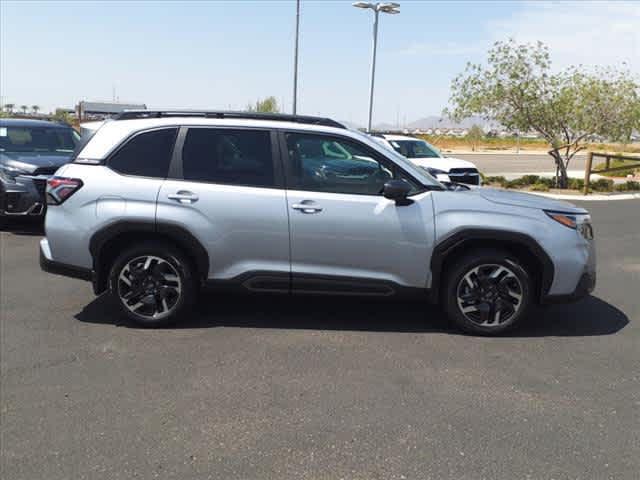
(152,282)
(492,304)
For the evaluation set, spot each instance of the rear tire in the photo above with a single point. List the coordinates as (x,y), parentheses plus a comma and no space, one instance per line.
(153,284)
(487,291)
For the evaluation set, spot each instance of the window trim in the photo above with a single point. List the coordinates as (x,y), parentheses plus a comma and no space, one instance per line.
(177,171)
(114,152)
(377,156)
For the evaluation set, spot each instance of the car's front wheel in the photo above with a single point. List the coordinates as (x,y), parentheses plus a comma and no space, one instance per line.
(153,284)
(487,292)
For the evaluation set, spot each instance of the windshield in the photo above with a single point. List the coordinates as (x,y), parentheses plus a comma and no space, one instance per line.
(38,139)
(414,149)
(420,174)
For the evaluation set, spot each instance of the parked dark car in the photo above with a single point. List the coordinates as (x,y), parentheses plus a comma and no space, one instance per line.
(30,152)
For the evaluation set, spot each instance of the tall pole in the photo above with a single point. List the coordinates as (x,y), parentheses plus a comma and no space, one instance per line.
(295,60)
(373,66)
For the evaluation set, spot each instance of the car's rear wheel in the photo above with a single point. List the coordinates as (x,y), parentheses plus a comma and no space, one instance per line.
(487,292)
(153,284)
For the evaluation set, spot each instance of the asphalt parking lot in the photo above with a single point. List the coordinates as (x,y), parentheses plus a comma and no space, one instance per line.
(279,388)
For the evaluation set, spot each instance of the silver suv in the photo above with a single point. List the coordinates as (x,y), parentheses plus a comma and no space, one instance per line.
(158,204)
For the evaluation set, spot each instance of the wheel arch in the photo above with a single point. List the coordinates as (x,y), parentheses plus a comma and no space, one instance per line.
(525,248)
(107,242)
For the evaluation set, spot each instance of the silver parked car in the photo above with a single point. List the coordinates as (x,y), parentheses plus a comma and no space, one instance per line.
(159,204)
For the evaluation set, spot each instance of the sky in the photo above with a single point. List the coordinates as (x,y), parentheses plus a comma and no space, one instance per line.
(225,54)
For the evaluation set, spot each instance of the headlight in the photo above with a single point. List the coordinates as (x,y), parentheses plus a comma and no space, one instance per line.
(581,223)
(9,173)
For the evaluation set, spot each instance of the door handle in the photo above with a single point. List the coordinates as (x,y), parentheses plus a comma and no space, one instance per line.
(183,196)
(306,206)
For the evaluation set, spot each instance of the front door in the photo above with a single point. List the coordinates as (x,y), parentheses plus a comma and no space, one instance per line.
(229,194)
(345,236)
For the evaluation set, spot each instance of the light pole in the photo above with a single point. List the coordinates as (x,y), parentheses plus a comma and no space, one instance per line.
(392,8)
(295,60)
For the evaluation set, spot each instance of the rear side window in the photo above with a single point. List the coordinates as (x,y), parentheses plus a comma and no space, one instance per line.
(146,155)
(230,157)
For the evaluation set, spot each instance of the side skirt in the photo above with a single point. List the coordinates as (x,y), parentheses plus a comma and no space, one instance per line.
(277,282)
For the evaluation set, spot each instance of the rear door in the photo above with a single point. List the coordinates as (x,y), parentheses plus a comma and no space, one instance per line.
(227,190)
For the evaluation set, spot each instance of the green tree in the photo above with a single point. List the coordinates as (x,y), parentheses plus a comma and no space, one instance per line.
(268,105)
(474,136)
(24,109)
(35,109)
(62,116)
(9,107)
(518,89)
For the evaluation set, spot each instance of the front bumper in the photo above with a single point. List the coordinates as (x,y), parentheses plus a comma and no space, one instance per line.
(24,197)
(586,285)
(49,265)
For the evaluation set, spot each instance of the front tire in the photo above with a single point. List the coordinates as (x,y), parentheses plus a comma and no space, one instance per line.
(153,284)
(487,292)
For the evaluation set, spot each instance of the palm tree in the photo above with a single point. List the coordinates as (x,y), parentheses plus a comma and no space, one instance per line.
(24,109)
(9,107)
(35,109)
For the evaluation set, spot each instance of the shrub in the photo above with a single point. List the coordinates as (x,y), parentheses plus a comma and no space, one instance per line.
(576,183)
(540,187)
(627,186)
(602,185)
(529,179)
(549,182)
(500,180)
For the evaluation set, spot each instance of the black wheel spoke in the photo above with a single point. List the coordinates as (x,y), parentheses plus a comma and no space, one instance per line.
(489,295)
(149,286)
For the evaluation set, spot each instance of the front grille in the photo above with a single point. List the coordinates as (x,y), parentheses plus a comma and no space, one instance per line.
(469,176)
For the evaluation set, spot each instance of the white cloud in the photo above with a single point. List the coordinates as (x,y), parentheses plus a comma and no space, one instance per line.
(588,33)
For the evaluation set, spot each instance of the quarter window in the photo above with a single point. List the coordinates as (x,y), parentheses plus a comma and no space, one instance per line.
(230,157)
(146,155)
(333,164)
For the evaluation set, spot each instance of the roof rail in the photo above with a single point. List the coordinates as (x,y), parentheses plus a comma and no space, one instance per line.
(280,117)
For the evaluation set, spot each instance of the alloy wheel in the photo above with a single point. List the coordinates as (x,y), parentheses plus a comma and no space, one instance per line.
(149,286)
(489,295)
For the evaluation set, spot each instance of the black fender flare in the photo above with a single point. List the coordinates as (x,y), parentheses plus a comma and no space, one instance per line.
(177,234)
(469,236)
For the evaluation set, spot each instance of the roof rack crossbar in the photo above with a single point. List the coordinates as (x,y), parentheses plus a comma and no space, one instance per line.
(281,117)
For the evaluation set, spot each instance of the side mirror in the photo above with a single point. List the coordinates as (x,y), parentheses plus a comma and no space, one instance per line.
(397,190)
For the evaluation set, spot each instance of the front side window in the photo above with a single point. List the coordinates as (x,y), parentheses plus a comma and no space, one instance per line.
(148,154)
(38,139)
(414,149)
(331,164)
(230,157)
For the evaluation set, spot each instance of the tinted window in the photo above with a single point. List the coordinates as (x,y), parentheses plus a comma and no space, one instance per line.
(38,139)
(232,157)
(331,164)
(146,155)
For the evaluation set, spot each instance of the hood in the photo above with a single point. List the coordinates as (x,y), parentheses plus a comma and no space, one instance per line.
(442,163)
(528,200)
(31,161)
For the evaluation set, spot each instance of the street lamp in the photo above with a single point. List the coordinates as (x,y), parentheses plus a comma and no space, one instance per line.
(392,8)
(295,60)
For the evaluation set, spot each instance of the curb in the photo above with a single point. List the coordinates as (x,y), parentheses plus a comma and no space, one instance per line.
(589,198)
